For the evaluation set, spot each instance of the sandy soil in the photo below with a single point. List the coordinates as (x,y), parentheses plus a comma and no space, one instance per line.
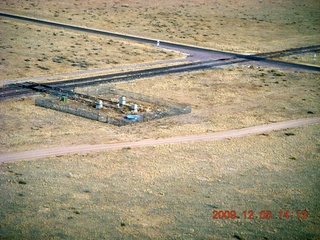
(167,191)
(170,191)
(242,26)
(221,99)
(312,59)
(29,50)
(60,151)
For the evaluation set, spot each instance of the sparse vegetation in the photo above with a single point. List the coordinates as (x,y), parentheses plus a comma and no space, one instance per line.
(42,51)
(309,59)
(260,26)
(220,100)
(165,191)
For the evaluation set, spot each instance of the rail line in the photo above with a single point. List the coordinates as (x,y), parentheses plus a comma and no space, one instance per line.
(290,52)
(15,90)
(127,76)
(18,90)
(9,92)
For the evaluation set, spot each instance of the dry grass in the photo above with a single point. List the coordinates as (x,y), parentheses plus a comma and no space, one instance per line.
(233,98)
(241,26)
(167,192)
(221,99)
(312,59)
(29,50)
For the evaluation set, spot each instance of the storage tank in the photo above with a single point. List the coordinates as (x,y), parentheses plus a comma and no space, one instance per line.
(134,107)
(99,104)
(122,100)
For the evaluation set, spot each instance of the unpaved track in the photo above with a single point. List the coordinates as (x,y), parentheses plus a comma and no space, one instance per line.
(49,152)
(194,53)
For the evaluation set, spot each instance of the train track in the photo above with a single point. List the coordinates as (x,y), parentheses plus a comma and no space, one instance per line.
(20,90)
(127,76)
(289,52)
(9,92)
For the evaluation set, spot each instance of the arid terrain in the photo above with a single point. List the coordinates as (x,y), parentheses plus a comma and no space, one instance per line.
(29,50)
(166,191)
(243,26)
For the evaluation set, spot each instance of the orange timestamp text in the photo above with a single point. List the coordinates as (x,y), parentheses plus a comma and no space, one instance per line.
(262,214)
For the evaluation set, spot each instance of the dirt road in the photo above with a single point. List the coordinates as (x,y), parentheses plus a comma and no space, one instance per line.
(48,152)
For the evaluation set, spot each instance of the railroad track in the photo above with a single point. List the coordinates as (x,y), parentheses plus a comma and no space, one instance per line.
(22,89)
(127,76)
(16,90)
(289,52)
(9,92)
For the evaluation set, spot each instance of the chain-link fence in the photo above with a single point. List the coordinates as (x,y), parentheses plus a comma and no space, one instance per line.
(117,93)
(82,112)
(163,108)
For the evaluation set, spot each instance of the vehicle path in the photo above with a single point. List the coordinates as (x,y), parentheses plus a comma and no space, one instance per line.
(59,151)
(194,53)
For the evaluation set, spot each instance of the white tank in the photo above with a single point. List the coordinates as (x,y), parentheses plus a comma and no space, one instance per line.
(134,107)
(99,104)
(122,100)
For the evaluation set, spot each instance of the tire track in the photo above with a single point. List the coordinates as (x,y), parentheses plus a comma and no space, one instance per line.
(59,151)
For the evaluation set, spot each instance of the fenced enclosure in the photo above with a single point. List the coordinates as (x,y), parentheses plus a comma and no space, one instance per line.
(116,92)
(157,108)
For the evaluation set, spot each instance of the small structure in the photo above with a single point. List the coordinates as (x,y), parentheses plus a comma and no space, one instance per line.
(64,99)
(122,101)
(117,107)
(133,118)
(99,104)
(134,107)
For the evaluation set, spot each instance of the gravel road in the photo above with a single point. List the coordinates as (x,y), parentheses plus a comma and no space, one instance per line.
(58,151)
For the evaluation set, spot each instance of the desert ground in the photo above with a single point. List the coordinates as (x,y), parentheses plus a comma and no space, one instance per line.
(29,50)
(239,26)
(167,191)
